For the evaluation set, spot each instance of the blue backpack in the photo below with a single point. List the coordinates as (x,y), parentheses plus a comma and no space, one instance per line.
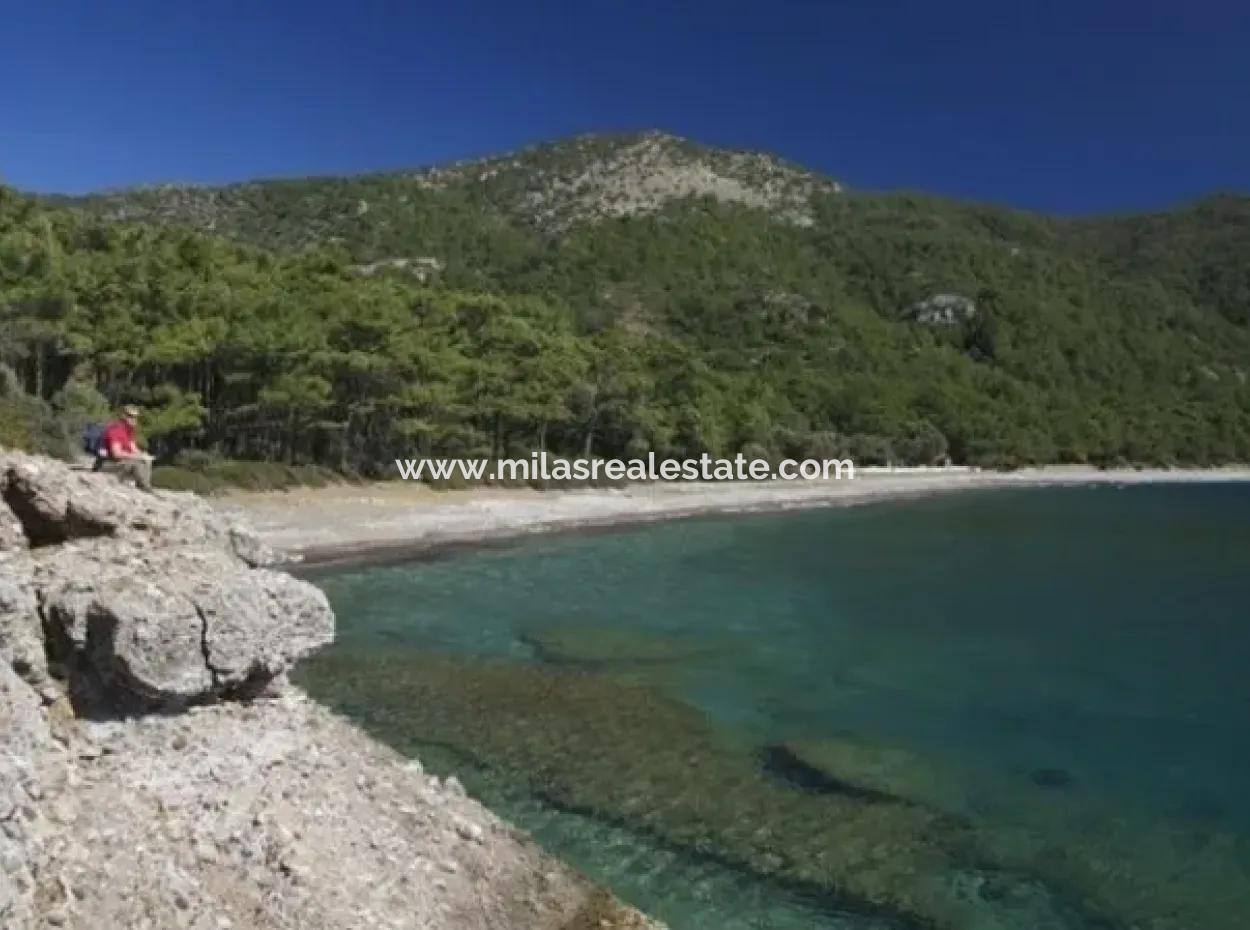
(93,439)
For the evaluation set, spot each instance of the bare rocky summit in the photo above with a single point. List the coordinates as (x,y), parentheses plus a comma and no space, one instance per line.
(157,771)
(592,178)
(552,188)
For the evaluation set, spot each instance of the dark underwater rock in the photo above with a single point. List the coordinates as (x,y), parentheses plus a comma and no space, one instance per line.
(597,645)
(1051,778)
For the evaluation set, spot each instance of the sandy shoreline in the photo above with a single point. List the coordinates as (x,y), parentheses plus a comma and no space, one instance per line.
(393,519)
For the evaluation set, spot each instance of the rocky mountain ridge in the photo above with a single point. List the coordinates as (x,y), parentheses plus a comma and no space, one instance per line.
(157,771)
(550,188)
(444,218)
(592,178)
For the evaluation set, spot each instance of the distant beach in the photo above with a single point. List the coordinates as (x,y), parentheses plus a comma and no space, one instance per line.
(344,523)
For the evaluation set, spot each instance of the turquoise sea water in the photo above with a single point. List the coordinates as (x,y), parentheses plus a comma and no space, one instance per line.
(1036,701)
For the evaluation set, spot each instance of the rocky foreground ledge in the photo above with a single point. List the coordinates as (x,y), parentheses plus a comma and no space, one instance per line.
(157,771)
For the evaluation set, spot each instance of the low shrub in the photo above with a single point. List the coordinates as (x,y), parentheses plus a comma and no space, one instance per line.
(215,476)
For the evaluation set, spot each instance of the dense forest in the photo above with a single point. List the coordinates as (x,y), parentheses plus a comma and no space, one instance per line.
(513,305)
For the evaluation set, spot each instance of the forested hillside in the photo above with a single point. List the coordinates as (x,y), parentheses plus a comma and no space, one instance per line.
(610,296)
(1202,251)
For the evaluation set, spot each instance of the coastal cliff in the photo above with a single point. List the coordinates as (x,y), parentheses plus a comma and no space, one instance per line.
(158,771)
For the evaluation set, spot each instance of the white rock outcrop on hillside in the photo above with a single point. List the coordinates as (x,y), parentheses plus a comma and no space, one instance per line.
(943,310)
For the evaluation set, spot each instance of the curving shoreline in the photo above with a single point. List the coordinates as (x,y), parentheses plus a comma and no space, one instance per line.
(397,520)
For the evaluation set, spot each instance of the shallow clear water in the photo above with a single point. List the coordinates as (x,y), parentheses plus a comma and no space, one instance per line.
(1065,674)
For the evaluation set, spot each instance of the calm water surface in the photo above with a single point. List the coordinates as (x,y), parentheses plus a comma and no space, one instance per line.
(1037,701)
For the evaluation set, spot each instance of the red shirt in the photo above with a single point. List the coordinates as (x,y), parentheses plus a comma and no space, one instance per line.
(119,439)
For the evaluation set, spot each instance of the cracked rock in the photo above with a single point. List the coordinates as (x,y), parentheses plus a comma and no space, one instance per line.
(147,599)
(180,625)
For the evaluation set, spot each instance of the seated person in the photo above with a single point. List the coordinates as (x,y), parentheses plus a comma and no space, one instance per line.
(121,450)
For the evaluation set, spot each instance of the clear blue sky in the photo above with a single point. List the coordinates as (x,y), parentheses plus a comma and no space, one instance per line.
(1065,106)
